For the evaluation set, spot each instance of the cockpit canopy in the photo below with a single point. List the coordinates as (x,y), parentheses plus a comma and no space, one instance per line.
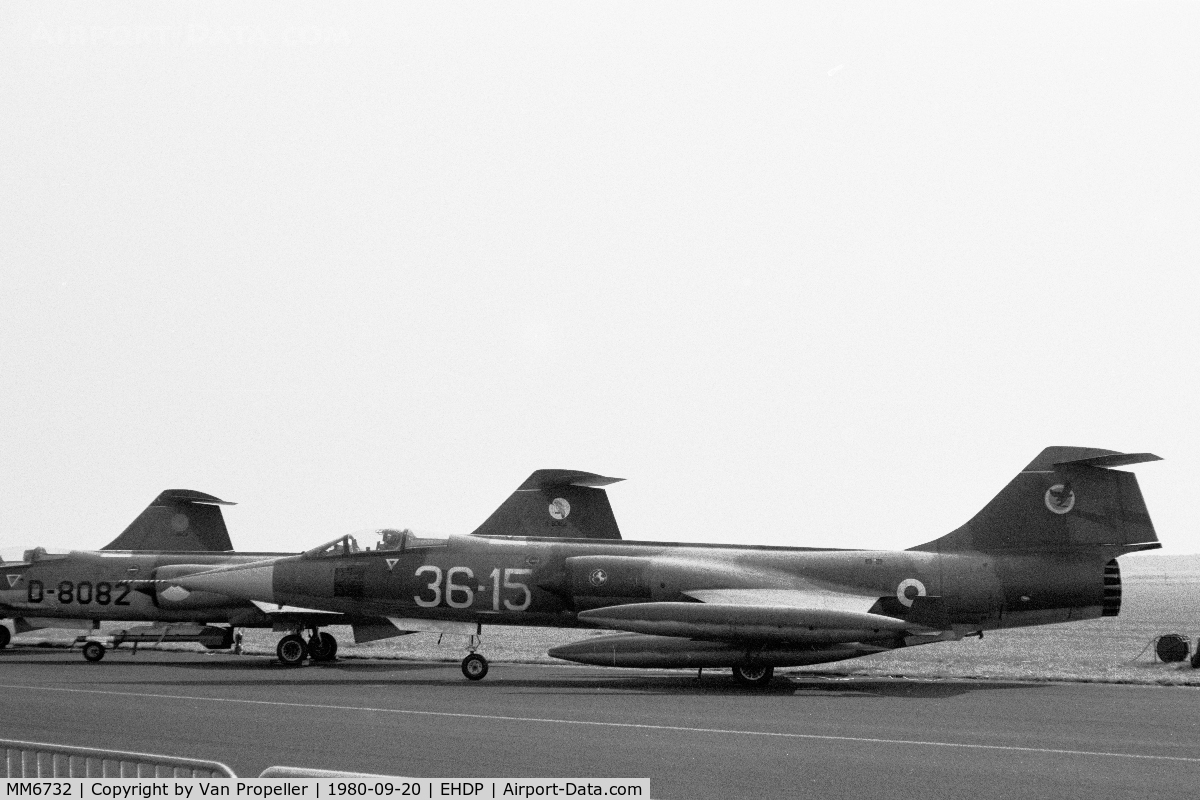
(375,540)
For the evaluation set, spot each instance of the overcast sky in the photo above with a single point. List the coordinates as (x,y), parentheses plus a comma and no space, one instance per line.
(818,275)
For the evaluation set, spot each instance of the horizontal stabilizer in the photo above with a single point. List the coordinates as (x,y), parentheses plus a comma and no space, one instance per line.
(192,496)
(1053,457)
(1114,460)
(543,478)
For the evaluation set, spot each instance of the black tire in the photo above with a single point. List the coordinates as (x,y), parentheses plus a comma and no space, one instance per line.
(1196,656)
(474,667)
(1171,647)
(322,647)
(93,651)
(753,675)
(4,636)
(291,650)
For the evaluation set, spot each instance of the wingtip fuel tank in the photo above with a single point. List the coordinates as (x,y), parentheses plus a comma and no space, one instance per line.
(644,651)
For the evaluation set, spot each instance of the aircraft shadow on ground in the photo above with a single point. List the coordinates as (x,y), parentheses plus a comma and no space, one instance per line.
(351,673)
(723,684)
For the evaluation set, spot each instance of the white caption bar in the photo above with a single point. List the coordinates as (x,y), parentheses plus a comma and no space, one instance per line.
(320,788)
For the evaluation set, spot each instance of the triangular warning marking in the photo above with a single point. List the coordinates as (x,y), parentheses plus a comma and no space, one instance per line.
(391,562)
(12,579)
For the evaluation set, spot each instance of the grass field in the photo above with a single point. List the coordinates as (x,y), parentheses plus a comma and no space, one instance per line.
(1161,595)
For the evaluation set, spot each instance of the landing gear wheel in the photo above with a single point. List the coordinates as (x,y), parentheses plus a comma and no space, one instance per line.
(93,651)
(291,650)
(753,675)
(4,636)
(474,667)
(322,647)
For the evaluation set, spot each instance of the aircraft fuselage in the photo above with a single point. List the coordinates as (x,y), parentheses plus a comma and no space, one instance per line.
(122,586)
(502,581)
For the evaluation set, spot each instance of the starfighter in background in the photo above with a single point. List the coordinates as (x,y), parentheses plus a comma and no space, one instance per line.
(130,580)
(134,579)
(181,531)
(1042,551)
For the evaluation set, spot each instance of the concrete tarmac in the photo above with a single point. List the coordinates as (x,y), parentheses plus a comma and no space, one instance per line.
(804,736)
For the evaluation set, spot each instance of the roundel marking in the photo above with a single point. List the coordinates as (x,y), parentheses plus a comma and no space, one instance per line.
(1060,499)
(908,590)
(179,523)
(598,577)
(559,508)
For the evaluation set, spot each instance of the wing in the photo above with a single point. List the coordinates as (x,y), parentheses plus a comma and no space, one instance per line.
(814,598)
(282,613)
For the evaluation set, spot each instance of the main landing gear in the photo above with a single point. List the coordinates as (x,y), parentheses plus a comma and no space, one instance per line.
(292,649)
(755,675)
(474,666)
(4,636)
(322,646)
(93,651)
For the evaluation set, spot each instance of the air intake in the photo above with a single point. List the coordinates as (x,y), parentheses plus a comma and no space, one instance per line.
(1112,589)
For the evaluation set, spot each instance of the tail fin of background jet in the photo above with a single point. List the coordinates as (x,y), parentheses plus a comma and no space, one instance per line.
(557,503)
(1068,498)
(178,519)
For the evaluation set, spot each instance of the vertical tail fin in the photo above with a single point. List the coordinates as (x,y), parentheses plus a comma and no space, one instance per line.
(178,519)
(556,503)
(1067,498)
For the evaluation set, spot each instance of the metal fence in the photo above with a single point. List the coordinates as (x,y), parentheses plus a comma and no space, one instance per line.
(305,772)
(40,760)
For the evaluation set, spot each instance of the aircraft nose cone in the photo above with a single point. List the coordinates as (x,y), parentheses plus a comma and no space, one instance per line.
(245,583)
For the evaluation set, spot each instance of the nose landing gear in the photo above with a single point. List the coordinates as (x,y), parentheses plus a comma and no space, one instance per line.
(474,666)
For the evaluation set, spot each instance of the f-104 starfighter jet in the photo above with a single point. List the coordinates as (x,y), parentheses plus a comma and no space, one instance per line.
(134,578)
(128,580)
(1044,550)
